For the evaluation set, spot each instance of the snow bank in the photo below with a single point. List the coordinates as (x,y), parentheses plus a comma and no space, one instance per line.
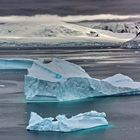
(63,124)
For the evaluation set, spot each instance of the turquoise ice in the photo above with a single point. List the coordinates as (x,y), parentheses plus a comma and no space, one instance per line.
(65,81)
(61,80)
(63,124)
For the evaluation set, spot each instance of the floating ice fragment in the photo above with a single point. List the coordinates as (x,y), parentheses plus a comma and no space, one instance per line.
(63,124)
(2,86)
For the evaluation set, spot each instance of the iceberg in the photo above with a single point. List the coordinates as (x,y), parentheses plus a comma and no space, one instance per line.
(64,81)
(63,124)
(61,80)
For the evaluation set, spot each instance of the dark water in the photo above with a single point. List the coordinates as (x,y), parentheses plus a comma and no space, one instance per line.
(122,112)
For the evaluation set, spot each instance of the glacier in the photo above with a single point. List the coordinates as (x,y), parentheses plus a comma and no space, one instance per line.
(63,124)
(61,80)
(113,26)
(133,43)
(27,34)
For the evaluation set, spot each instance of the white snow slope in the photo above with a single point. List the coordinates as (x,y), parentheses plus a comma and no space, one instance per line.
(55,32)
(133,43)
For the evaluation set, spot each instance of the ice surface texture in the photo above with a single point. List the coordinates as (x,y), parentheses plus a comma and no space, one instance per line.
(63,124)
(60,80)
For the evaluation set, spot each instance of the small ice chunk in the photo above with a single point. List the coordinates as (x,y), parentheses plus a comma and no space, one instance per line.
(2,86)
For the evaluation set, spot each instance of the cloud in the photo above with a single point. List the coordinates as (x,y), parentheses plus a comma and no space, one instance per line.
(99,17)
(74,18)
(69,7)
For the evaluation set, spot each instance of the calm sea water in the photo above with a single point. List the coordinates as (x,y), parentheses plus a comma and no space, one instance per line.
(122,112)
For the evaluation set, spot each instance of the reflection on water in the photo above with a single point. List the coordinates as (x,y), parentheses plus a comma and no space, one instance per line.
(72,135)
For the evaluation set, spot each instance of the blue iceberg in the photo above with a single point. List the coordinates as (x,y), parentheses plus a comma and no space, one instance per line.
(63,124)
(61,80)
(64,81)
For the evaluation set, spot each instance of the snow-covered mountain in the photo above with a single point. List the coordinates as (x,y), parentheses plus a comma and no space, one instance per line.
(57,32)
(132,44)
(116,27)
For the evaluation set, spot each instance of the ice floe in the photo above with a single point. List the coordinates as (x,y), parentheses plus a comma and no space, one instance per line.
(63,124)
(15,63)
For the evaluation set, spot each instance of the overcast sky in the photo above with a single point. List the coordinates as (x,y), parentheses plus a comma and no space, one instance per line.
(69,7)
